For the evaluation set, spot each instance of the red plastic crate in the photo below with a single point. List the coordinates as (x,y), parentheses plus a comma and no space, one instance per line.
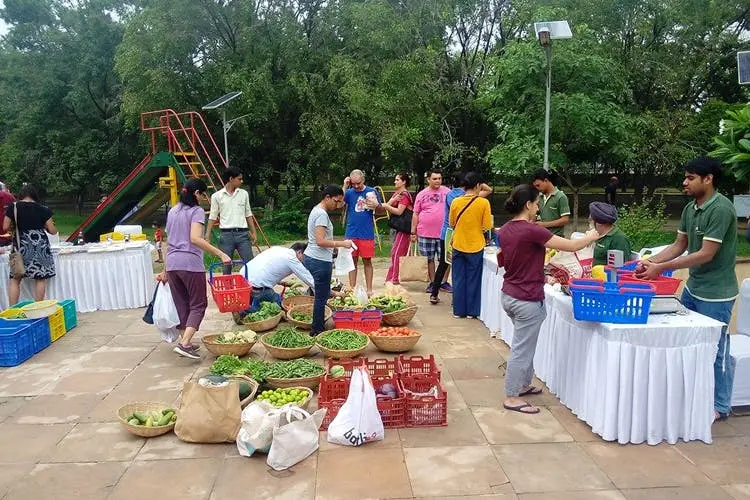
(664,285)
(424,411)
(411,365)
(334,391)
(379,367)
(364,321)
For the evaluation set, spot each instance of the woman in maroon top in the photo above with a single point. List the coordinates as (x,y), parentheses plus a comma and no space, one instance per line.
(523,245)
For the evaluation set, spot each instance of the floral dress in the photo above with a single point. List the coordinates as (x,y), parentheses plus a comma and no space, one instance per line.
(35,247)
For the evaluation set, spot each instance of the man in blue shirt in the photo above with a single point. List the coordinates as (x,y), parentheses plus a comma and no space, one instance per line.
(361,203)
(443,266)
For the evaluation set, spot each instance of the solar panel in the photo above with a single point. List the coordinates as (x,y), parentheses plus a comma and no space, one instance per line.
(558,30)
(743,67)
(222,100)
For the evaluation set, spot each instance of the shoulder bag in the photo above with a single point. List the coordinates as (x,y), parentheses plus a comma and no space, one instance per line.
(449,233)
(15,260)
(402,223)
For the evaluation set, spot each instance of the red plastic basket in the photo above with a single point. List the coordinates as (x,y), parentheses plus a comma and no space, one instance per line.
(364,321)
(334,391)
(413,365)
(379,367)
(231,293)
(424,411)
(664,285)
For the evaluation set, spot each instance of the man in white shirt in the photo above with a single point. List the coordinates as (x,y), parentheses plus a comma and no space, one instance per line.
(269,269)
(231,207)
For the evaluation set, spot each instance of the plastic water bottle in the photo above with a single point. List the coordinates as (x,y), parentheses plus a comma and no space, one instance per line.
(127,237)
(80,240)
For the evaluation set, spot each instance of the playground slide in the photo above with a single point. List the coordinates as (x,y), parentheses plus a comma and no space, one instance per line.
(145,212)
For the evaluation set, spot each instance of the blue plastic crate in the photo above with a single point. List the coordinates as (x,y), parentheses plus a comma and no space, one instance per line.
(16,345)
(630,266)
(627,303)
(69,312)
(39,328)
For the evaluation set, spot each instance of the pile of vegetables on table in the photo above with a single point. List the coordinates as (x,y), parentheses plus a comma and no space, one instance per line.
(239,337)
(342,340)
(280,397)
(267,310)
(155,419)
(289,337)
(302,317)
(388,303)
(394,331)
(259,370)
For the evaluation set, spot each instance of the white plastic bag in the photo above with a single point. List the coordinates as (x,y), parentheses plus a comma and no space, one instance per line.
(165,314)
(358,421)
(361,295)
(295,438)
(256,432)
(343,263)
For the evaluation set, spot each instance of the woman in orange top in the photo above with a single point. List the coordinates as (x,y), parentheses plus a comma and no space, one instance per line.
(469,217)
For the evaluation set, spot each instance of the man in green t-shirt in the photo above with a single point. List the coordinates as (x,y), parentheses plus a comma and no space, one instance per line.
(554,209)
(708,231)
(604,216)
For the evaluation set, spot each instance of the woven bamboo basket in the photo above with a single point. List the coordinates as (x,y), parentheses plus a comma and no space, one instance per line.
(149,407)
(395,344)
(296,300)
(217,349)
(339,354)
(266,324)
(285,352)
(400,318)
(253,387)
(281,383)
(307,309)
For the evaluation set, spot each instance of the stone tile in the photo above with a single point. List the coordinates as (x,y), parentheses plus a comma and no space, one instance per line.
(482,392)
(146,338)
(634,466)
(500,347)
(29,443)
(685,493)
(453,470)
(29,380)
(82,481)
(169,447)
(471,348)
(117,357)
(502,426)
(499,496)
(150,378)
(729,428)
(536,468)
(726,461)
(88,381)
(77,344)
(56,408)
(391,441)
(455,398)
(239,476)
(168,480)
(738,491)
(580,430)
(473,368)
(575,495)
(106,410)
(362,473)
(107,442)
(741,424)
(9,406)
(11,474)
(462,430)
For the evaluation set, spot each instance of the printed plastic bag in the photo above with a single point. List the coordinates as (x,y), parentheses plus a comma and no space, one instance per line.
(295,437)
(358,421)
(256,433)
(165,313)
(343,262)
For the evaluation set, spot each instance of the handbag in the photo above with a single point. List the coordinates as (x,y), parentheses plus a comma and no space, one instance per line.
(402,223)
(148,316)
(15,260)
(412,266)
(449,233)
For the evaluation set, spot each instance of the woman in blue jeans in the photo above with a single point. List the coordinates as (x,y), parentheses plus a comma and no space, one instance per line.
(319,252)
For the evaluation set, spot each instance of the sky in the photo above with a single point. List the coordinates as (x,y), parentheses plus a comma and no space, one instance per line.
(3,26)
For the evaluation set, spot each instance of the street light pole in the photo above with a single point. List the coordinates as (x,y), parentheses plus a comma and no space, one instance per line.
(226,129)
(548,52)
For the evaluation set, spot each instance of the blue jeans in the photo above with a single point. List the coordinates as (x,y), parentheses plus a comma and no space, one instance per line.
(259,296)
(723,372)
(467,283)
(321,272)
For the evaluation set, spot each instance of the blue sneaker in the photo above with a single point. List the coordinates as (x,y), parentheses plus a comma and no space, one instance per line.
(446,287)
(428,289)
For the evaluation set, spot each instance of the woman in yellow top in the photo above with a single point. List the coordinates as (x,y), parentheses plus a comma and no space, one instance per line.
(469,217)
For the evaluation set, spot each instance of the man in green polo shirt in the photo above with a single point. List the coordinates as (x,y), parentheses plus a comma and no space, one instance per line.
(554,209)
(708,230)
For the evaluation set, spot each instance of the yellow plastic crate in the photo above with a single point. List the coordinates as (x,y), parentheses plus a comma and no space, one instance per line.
(57,324)
(13,313)
(121,237)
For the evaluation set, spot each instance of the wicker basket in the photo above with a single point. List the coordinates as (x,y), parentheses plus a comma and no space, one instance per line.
(400,318)
(253,387)
(285,352)
(143,407)
(218,349)
(296,300)
(266,324)
(307,309)
(395,344)
(339,354)
(281,383)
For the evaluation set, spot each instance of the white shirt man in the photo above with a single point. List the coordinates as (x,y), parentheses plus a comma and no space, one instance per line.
(270,267)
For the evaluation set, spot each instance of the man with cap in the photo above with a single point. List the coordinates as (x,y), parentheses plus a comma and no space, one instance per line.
(603,217)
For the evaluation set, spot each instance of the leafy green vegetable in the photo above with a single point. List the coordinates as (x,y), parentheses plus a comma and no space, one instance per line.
(298,368)
(267,310)
(232,365)
(342,340)
(289,337)
(302,317)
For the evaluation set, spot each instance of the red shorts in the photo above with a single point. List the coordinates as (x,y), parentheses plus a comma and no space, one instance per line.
(365,249)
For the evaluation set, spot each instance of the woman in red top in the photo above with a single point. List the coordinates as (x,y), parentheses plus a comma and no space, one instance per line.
(523,245)
(399,202)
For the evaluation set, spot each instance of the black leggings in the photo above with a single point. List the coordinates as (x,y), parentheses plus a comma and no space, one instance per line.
(440,271)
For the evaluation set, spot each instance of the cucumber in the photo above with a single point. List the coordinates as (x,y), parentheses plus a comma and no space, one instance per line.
(149,422)
(167,410)
(134,421)
(165,419)
(174,418)
(140,416)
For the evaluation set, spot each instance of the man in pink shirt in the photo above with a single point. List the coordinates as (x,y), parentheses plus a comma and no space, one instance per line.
(427,221)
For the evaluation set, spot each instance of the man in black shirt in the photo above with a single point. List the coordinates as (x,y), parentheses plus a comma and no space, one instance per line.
(610,190)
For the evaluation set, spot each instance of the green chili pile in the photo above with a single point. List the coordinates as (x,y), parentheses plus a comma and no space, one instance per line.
(342,340)
(289,338)
(297,368)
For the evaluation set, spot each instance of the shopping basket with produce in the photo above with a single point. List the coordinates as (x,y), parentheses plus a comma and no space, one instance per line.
(231,293)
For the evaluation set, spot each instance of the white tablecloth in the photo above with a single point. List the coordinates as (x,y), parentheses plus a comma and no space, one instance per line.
(631,383)
(97,281)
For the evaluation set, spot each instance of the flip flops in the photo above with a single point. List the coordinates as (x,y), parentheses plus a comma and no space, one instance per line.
(531,391)
(520,409)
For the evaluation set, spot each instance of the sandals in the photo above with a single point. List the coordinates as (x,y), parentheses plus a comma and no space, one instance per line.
(531,391)
(521,408)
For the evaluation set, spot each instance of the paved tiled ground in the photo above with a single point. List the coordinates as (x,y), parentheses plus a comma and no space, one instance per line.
(59,438)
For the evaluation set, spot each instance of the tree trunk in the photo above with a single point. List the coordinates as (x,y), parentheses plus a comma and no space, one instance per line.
(576,202)
(79,203)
